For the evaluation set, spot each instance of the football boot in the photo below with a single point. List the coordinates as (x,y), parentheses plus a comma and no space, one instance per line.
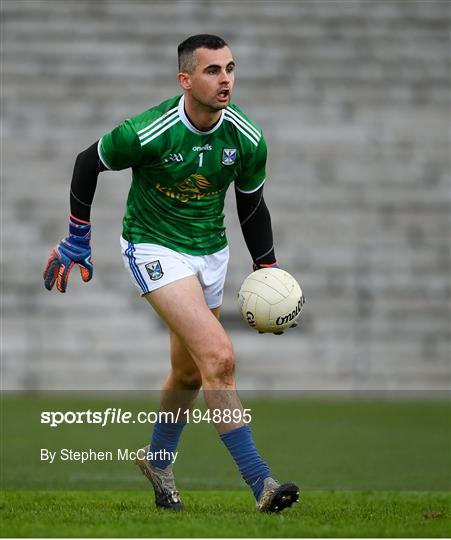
(276,497)
(162,480)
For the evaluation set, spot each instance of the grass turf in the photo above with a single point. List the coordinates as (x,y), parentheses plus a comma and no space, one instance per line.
(367,468)
(224,514)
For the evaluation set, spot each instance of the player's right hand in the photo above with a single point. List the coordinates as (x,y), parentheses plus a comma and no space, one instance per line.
(74,249)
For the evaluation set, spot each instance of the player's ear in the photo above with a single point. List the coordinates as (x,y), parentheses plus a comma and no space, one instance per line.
(184,80)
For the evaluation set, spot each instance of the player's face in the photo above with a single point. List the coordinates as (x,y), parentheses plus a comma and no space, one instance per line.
(211,82)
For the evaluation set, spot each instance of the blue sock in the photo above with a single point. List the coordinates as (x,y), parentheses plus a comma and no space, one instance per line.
(165,436)
(253,469)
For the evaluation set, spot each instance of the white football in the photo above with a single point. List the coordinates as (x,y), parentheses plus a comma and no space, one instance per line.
(270,300)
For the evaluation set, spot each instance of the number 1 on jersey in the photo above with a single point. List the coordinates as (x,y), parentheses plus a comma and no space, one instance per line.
(201,159)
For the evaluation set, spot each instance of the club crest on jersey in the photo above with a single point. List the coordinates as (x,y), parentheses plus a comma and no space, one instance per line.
(228,156)
(154,270)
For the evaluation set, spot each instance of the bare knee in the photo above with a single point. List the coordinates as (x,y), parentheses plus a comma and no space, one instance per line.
(218,367)
(189,379)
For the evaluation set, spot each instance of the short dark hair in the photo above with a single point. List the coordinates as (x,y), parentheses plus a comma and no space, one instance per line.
(186,49)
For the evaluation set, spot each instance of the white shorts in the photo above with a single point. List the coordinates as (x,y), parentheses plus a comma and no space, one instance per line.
(152,266)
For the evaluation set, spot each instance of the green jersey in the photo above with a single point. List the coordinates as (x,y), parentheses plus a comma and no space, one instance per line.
(180,174)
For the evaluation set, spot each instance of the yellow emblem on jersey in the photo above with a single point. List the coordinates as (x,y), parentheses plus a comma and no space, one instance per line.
(195,183)
(195,187)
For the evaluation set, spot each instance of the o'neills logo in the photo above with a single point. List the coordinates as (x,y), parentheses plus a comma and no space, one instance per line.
(250,318)
(202,148)
(283,319)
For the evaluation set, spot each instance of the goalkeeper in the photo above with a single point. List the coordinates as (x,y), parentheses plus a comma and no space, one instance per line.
(184,153)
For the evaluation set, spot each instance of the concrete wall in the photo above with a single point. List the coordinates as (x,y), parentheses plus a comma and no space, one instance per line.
(353,97)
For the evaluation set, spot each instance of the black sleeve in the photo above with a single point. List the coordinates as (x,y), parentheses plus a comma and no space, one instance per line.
(255,223)
(84,181)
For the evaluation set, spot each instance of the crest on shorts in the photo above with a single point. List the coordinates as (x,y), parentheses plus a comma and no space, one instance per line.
(228,156)
(154,270)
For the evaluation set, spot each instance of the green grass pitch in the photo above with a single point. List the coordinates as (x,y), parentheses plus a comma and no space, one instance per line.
(224,514)
(367,468)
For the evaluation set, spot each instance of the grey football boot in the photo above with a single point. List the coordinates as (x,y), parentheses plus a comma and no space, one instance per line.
(162,480)
(276,497)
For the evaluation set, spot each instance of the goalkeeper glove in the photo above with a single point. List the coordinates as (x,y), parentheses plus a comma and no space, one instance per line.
(75,248)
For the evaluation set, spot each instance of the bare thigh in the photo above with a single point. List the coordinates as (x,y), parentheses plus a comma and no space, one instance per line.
(196,329)
(182,363)
(181,358)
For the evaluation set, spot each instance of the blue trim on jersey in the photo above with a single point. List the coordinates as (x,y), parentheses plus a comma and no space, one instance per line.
(135,269)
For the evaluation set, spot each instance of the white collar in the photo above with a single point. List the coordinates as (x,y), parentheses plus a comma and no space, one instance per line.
(189,125)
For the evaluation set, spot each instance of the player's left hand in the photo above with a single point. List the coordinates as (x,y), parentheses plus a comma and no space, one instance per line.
(256,266)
